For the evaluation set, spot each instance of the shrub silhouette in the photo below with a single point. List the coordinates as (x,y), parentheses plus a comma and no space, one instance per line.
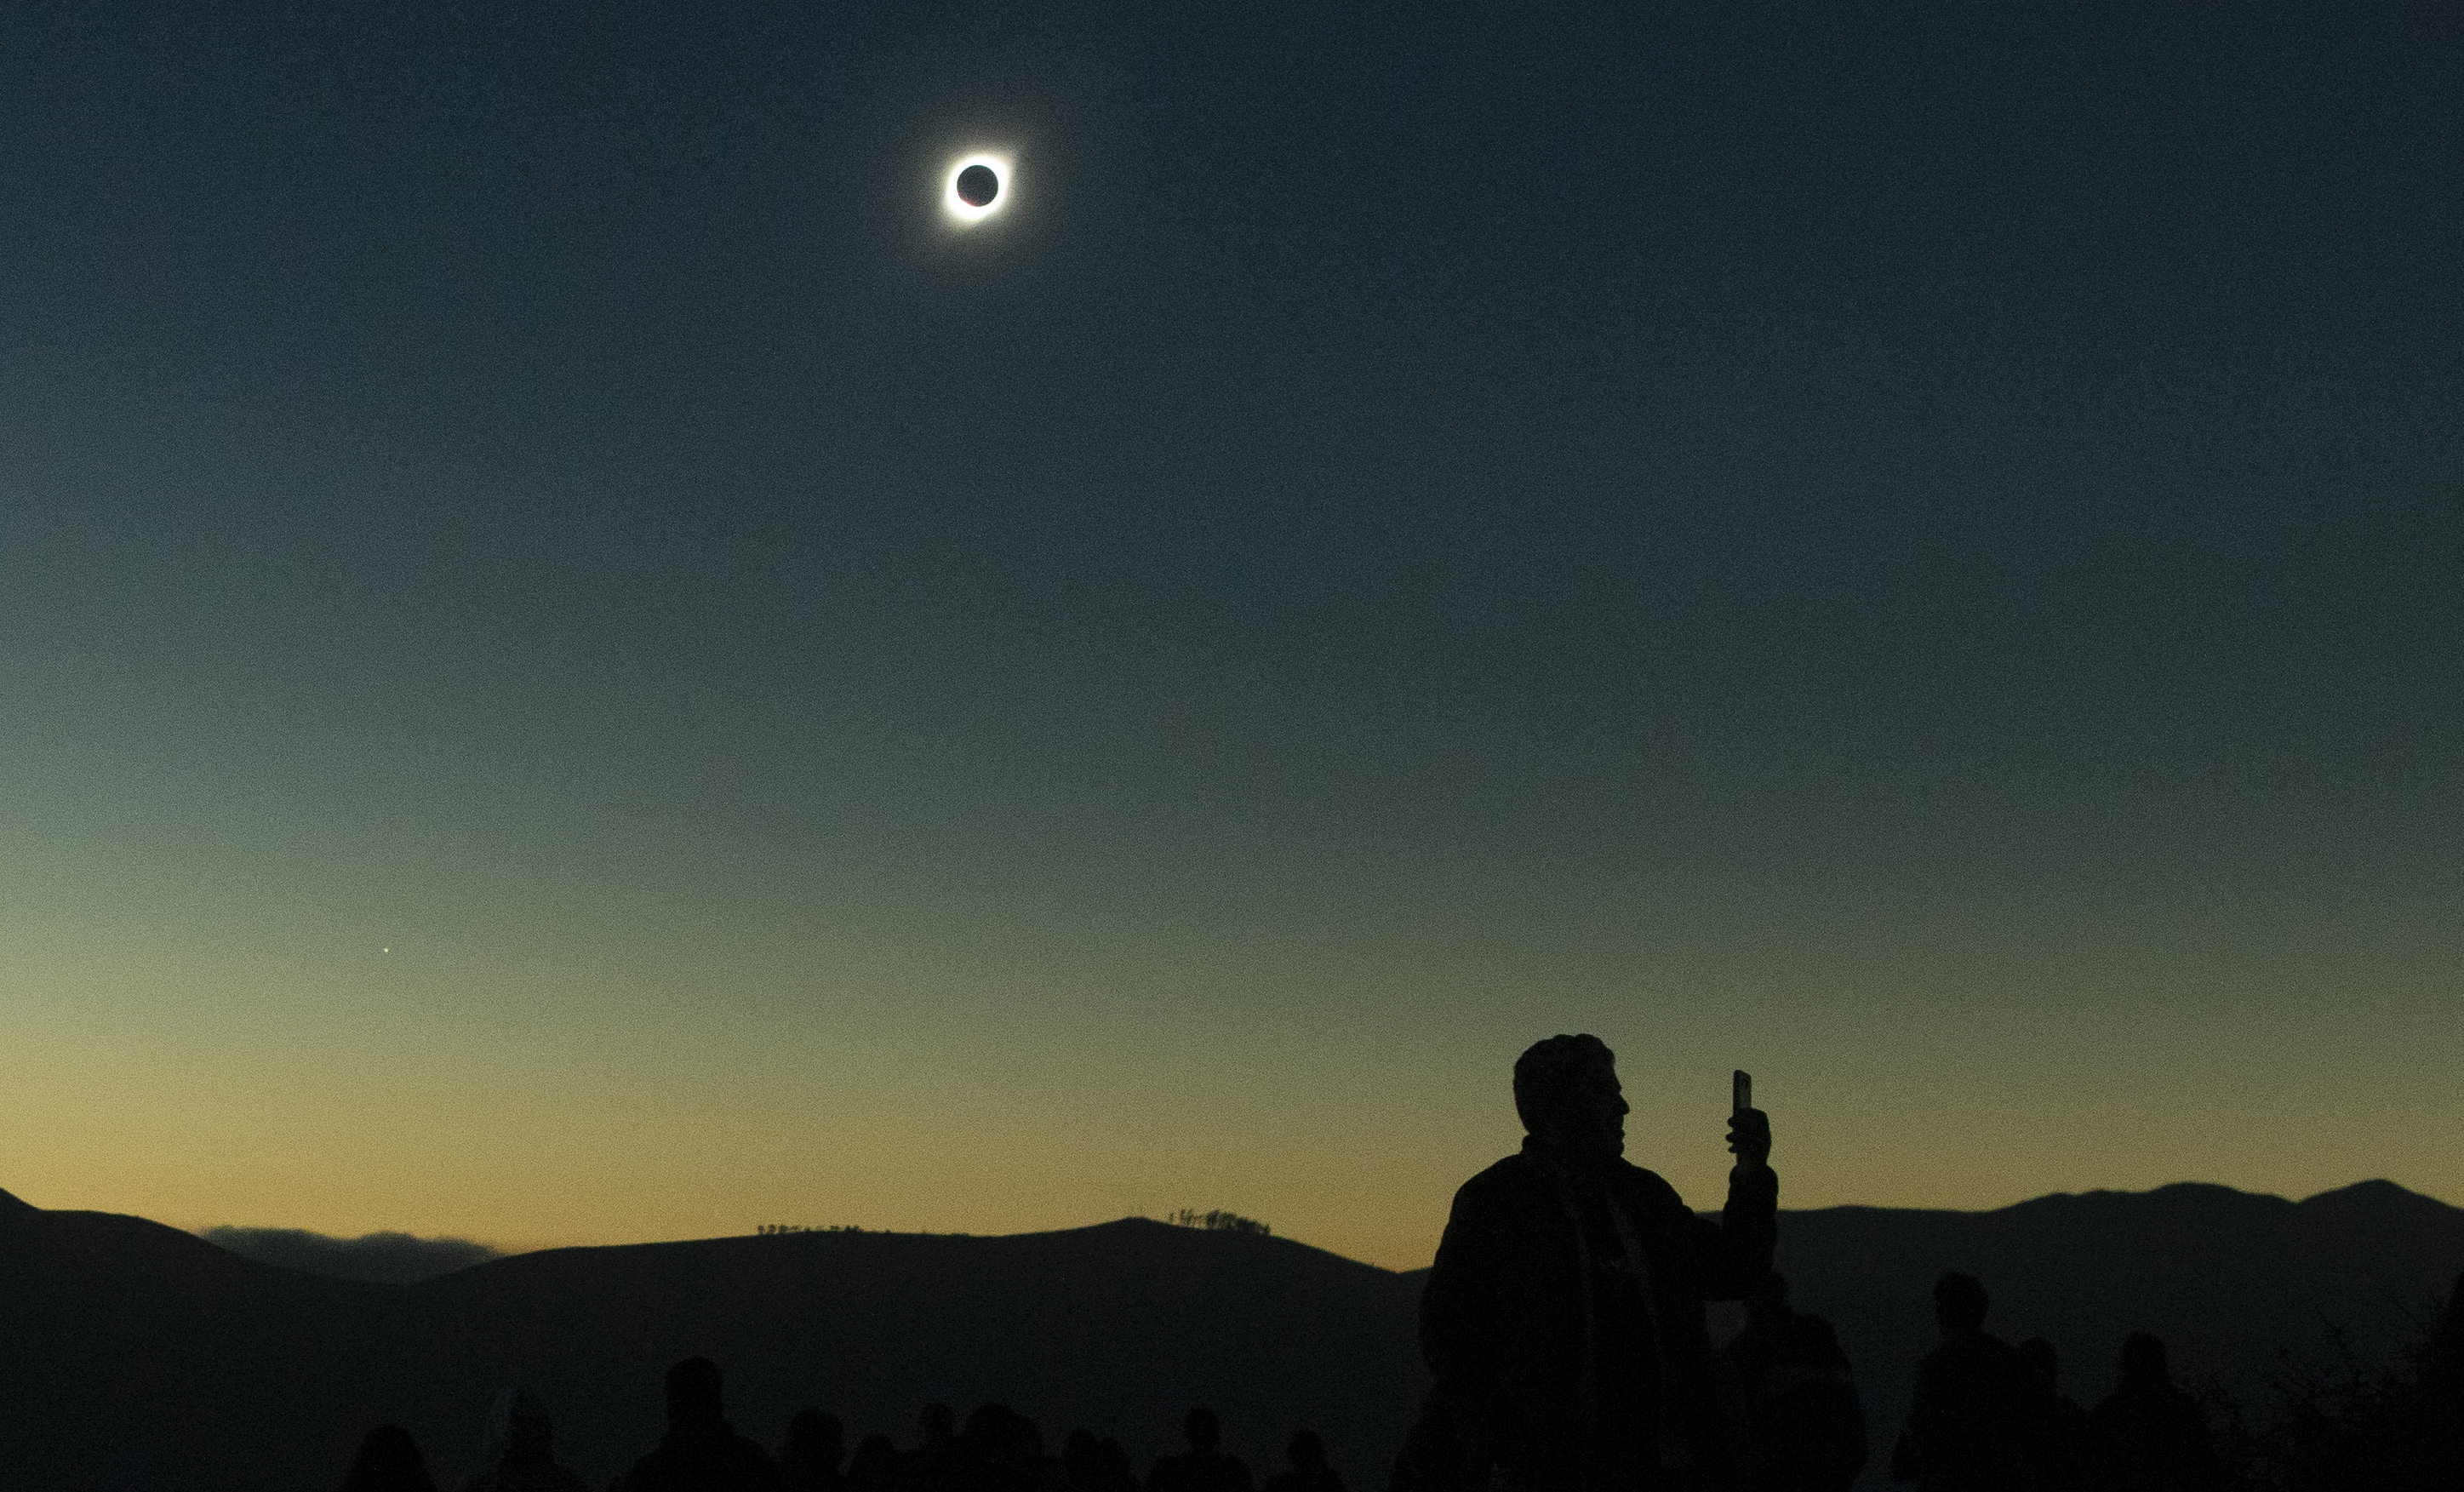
(1219,1222)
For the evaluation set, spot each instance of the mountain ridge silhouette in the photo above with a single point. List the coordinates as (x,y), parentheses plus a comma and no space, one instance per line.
(141,1355)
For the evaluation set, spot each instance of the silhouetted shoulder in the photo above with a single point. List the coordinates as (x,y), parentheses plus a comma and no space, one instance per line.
(1488,1209)
(1519,1181)
(1509,1179)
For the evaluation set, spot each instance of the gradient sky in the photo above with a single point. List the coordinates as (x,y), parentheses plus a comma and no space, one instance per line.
(576,668)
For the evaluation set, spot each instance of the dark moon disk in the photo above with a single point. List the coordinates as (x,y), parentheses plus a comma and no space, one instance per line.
(978,186)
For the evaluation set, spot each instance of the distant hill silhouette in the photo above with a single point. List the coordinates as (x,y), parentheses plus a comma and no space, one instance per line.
(139,1355)
(377,1258)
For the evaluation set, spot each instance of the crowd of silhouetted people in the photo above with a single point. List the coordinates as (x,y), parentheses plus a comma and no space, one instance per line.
(1988,1417)
(1983,1415)
(997,1450)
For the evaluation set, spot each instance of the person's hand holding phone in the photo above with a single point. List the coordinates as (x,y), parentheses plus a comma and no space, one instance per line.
(1749,1134)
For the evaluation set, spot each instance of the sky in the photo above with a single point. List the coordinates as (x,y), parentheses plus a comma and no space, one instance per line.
(582,666)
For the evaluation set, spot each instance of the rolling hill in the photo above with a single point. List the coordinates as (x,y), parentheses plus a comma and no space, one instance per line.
(140,1356)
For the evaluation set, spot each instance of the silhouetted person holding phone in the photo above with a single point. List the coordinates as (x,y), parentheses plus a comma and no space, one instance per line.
(815,1446)
(1966,1414)
(388,1460)
(1803,1419)
(1308,1472)
(702,1452)
(2148,1436)
(1205,1466)
(1564,1317)
(519,1452)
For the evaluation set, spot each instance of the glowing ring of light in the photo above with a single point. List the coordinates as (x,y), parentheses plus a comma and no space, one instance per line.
(959,208)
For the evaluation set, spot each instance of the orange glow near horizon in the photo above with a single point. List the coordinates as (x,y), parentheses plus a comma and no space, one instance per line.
(527,1107)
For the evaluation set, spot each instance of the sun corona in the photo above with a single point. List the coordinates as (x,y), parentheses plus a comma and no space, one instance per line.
(976,187)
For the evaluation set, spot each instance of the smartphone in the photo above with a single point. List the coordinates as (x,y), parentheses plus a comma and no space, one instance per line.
(1742,1090)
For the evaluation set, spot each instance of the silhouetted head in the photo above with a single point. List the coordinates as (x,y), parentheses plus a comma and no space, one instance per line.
(1566,1090)
(1768,1300)
(519,1432)
(1306,1451)
(2144,1364)
(693,1390)
(1201,1430)
(2043,1368)
(937,1425)
(816,1440)
(388,1460)
(1959,1302)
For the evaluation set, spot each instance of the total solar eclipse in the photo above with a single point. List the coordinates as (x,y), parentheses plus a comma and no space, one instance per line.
(977,186)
